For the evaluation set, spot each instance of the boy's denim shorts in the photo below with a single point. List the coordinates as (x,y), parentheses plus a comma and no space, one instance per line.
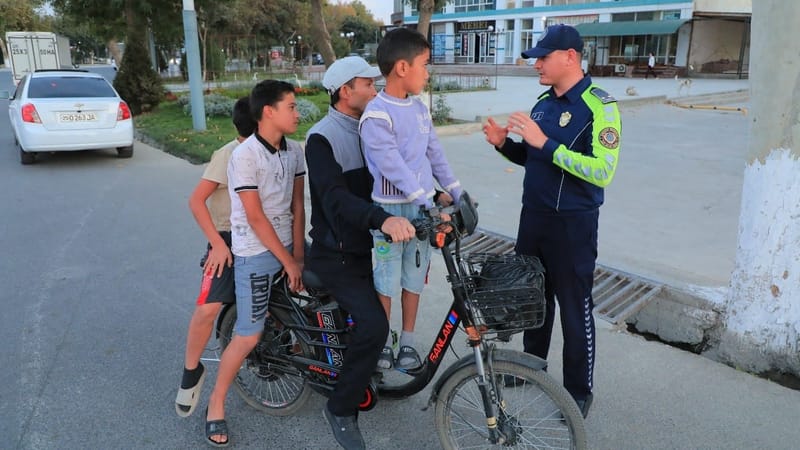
(396,263)
(254,276)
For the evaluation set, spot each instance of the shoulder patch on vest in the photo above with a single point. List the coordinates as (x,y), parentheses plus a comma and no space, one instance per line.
(604,96)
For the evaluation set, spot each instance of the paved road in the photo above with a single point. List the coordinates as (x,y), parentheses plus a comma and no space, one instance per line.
(99,279)
(100,272)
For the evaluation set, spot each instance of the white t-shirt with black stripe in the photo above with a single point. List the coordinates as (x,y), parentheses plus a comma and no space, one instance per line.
(257,166)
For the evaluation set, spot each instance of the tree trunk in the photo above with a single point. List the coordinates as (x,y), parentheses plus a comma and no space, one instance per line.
(425,14)
(761,329)
(6,59)
(203,32)
(320,32)
(133,22)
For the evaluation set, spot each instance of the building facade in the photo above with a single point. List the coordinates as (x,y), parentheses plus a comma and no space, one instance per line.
(700,35)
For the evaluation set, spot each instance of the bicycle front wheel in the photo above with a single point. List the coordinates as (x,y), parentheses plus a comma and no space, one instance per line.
(535,411)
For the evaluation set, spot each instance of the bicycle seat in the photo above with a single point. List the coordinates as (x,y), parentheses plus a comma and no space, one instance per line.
(314,284)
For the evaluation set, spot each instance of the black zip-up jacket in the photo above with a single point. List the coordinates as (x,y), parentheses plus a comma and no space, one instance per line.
(342,212)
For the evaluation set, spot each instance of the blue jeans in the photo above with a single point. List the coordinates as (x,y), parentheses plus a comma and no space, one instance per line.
(396,263)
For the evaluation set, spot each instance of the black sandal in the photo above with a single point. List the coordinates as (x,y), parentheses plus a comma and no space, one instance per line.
(217,428)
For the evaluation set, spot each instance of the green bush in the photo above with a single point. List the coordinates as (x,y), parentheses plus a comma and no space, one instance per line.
(215,66)
(441,110)
(216,105)
(184,99)
(309,112)
(446,86)
(136,81)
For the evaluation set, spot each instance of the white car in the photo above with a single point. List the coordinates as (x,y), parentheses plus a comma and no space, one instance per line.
(66,110)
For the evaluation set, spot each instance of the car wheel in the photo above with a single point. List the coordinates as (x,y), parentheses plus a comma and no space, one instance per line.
(125,152)
(26,157)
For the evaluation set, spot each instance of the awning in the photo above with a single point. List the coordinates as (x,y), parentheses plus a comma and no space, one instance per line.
(630,28)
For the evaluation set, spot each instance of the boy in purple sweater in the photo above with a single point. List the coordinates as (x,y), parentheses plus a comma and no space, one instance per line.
(404,157)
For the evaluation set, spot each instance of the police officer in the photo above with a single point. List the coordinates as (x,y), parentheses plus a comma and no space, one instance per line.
(570,146)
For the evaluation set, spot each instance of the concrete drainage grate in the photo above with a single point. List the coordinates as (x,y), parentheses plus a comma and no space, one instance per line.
(617,296)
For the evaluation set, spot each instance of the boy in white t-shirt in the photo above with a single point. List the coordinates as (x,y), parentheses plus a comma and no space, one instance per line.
(211,207)
(265,183)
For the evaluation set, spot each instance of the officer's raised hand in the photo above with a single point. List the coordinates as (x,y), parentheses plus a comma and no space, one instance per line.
(520,123)
(495,134)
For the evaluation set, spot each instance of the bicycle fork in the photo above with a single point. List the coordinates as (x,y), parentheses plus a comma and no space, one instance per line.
(486,388)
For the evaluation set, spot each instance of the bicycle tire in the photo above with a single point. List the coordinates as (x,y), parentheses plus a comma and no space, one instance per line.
(535,411)
(273,393)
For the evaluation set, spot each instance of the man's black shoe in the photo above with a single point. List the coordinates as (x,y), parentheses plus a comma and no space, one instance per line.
(345,430)
(585,404)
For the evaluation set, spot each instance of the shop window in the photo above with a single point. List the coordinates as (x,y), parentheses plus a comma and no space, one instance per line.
(474,5)
(623,17)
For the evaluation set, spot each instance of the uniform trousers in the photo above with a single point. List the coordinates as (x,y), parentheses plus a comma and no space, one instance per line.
(566,243)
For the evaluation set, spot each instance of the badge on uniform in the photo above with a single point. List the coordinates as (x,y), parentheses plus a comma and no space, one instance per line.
(609,137)
(563,121)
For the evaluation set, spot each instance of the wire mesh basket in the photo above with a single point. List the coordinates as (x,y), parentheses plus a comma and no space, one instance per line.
(506,292)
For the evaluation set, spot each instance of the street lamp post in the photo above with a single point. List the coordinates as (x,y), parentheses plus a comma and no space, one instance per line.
(349,36)
(300,49)
(497,33)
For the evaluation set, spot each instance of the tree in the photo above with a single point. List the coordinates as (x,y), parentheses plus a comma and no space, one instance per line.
(364,29)
(426,9)
(16,15)
(136,81)
(762,318)
(321,34)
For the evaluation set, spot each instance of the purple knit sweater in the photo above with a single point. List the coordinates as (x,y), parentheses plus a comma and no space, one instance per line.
(403,153)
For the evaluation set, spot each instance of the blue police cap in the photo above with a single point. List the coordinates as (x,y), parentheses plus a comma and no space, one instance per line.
(555,37)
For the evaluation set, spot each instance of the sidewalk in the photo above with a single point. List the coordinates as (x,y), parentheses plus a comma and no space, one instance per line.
(670,215)
(520,93)
(672,211)
(649,396)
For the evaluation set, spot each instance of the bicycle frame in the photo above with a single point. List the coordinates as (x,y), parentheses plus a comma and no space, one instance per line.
(315,365)
(457,313)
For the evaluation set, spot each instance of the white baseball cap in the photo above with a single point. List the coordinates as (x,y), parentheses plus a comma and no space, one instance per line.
(345,69)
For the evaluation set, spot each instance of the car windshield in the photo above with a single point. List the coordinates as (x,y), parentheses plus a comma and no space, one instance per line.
(69,87)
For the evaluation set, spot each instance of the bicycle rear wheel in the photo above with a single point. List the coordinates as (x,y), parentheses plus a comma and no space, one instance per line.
(267,381)
(538,413)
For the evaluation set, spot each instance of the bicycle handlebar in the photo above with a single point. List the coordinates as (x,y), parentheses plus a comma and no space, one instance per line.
(463,220)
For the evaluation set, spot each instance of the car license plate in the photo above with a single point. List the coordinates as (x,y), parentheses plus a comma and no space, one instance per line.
(77,117)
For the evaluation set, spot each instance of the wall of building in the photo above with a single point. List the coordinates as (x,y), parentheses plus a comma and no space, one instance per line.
(724,6)
(716,40)
(711,40)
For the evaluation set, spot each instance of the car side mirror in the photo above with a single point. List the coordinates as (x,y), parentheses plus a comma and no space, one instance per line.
(4,95)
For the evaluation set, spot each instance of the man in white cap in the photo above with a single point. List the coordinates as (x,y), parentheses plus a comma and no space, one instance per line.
(342,215)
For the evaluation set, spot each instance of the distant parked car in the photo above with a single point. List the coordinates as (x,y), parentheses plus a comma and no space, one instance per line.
(66,110)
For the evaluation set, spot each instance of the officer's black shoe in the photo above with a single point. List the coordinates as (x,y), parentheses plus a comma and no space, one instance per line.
(345,430)
(585,404)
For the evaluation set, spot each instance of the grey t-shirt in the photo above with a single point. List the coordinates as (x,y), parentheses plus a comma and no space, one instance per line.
(256,166)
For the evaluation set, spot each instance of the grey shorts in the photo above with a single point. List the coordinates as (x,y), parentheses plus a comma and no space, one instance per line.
(254,276)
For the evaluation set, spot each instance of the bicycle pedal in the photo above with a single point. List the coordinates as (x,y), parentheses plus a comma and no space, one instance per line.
(266,374)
